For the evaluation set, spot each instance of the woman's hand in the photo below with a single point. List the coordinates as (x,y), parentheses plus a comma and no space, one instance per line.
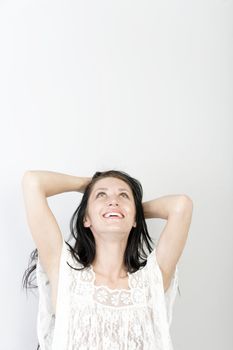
(85,181)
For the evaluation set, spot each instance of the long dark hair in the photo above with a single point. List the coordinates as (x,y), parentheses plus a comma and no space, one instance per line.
(84,249)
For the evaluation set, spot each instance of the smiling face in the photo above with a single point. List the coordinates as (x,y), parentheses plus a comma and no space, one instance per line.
(110,195)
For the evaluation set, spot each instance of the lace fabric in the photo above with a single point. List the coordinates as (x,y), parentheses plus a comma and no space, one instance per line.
(97,317)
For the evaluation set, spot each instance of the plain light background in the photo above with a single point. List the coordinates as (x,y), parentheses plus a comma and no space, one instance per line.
(139,86)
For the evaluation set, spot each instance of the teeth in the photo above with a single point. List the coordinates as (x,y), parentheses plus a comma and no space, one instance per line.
(112,214)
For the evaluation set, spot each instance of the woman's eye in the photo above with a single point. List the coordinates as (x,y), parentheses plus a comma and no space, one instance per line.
(125,194)
(100,193)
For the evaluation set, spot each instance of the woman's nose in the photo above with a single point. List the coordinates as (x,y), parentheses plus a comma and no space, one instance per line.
(113,201)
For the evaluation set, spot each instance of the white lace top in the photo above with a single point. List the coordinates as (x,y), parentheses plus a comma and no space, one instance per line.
(91,317)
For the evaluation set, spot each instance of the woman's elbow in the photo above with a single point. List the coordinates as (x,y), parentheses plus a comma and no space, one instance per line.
(184,204)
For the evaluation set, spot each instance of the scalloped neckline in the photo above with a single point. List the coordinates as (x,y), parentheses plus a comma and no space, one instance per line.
(108,288)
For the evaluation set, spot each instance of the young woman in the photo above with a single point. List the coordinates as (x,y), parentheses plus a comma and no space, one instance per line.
(104,291)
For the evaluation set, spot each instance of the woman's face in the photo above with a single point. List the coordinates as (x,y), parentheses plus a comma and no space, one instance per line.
(110,195)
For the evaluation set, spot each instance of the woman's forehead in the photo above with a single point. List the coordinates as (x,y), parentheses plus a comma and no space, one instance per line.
(111,182)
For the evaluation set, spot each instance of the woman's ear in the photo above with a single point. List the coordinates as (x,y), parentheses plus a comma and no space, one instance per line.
(86,222)
(135,222)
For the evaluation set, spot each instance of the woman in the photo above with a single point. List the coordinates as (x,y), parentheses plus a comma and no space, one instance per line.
(107,297)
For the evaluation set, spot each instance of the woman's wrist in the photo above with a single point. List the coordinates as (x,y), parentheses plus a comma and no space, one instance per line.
(82,183)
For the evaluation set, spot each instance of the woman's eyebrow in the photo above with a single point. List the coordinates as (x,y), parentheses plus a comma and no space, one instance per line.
(104,188)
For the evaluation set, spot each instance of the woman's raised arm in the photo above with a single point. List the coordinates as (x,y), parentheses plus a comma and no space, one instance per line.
(45,231)
(162,207)
(177,210)
(52,183)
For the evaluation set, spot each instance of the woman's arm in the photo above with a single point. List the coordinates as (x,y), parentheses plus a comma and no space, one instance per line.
(177,210)
(52,183)
(162,207)
(45,231)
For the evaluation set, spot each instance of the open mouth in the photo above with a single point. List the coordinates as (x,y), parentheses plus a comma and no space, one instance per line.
(113,216)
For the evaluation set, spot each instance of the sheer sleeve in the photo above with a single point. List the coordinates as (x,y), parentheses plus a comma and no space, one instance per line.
(171,292)
(46,317)
(170,295)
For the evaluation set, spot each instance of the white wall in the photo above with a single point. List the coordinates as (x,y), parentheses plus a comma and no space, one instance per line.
(141,86)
